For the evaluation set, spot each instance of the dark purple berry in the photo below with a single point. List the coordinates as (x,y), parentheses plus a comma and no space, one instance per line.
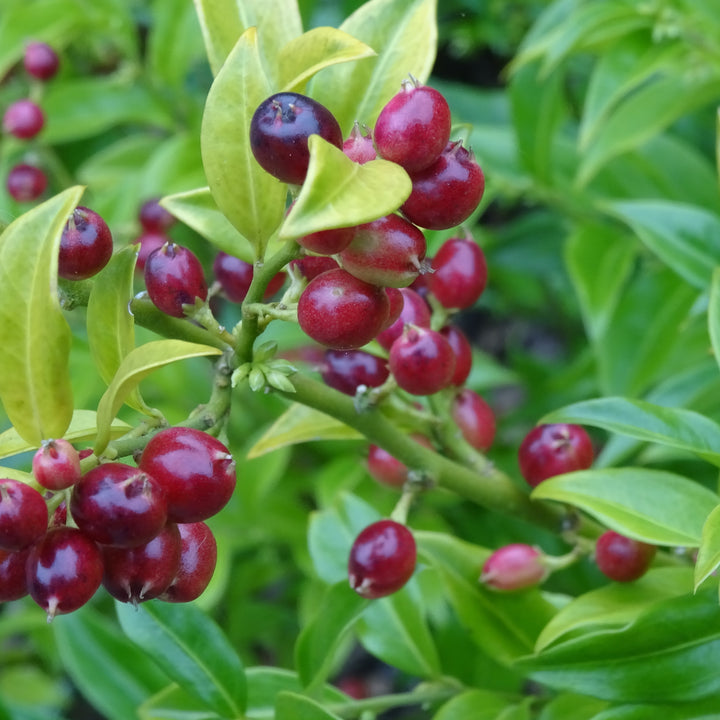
(154,218)
(86,245)
(621,558)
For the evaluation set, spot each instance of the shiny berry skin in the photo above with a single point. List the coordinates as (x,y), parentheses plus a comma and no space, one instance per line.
(415,311)
(463,353)
(23,515)
(514,567)
(549,450)
(621,558)
(340,311)
(446,193)
(414,127)
(40,60)
(359,146)
(56,465)
(311,266)
(195,469)
(388,252)
(475,419)
(142,573)
(174,277)
(382,559)
(63,571)
(279,132)
(421,361)
(198,557)
(118,504)
(86,245)
(327,242)
(154,218)
(147,243)
(388,470)
(26,183)
(24,119)
(348,370)
(235,276)
(396,303)
(459,273)
(13,583)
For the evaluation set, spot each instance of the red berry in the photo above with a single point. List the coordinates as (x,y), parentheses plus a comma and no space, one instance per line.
(388,470)
(235,276)
(327,242)
(23,515)
(549,450)
(359,146)
(475,419)
(446,193)
(64,569)
(195,469)
(24,119)
(147,243)
(514,567)
(422,361)
(414,127)
(13,583)
(459,273)
(313,265)
(340,311)
(621,558)
(26,183)
(154,218)
(174,277)
(56,465)
(348,370)
(40,60)
(86,245)
(396,302)
(279,132)
(414,311)
(120,505)
(463,353)
(382,559)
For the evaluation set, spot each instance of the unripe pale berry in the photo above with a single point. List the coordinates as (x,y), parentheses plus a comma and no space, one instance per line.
(514,567)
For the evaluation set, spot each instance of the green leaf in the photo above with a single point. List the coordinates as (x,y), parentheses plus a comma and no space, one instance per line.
(87,641)
(191,649)
(23,477)
(653,506)
(290,706)
(251,199)
(674,427)
(403,33)
(34,374)
(708,709)
(300,424)
(473,705)
(338,192)
(714,314)
(571,706)
(174,703)
(138,364)
(708,557)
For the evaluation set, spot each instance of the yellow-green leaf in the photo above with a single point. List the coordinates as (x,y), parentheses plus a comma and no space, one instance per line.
(708,558)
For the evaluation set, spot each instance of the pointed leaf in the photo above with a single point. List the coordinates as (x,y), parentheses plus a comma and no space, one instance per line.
(653,506)
(290,706)
(34,375)
(175,703)
(137,365)
(708,557)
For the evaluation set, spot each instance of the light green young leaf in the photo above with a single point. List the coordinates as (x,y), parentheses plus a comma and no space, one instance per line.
(20,476)
(175,703)
(714,314)
(708,557)
(653,506)
(251,199)
(338,192)
(34,374)
(291,706)
(473,705)
(138,364)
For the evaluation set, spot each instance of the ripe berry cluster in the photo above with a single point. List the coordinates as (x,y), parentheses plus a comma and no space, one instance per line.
(137,530)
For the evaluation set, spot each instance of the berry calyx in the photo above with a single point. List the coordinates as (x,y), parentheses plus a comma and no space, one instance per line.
(24,119)
(23,515)
(174,277)
(86,245)
(459,273)
(26,183)
(40,60)
(621,558)
(56,465)
(475,419)
(514,567)
(359,146)
(382,559)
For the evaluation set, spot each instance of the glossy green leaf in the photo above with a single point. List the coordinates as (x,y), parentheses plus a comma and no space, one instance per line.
(299,424)
(291,706)
(191,649)
(473,705)
(708,709)
(403,33)
(87,641)
(571,706)
(138,364)
(708,557)
(251,199)
(314,50)
(682,236)
(338,192)
(175,703)
(668,654)
(653,506)
(617,604)
(34,374)
(674,427)
(316,645)
(714,314)
(198,210)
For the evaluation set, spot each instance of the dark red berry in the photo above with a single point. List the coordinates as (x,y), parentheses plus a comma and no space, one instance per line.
(463,353)
(459,273)
(23,515)
(56,465)
(446,193)
(147,243)
(154,218)
(359,146)
(24,119)
(549,450)
(414,311)
(421,361)
(348,370)
(174,277)
(327,242)
(26,183)
(279,132)
(235,276)
(198,557)
(118,504)
(40,60)
(59,516)
(414,127)
(387,469)
(86,245)
(475,419)
(311,266)
(13,583)
(195,469)
(382,559)
(63,571)
(396,301)
(340,311)
(621,558)
(514,567)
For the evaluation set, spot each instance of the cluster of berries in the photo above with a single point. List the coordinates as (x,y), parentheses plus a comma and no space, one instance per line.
(24,119)
(137,530)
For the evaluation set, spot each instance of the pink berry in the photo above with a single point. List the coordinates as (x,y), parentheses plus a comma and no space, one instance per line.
(174,277)
(23,515)
(475,419)
(235,276)
(56,465)
(24,119)
(154,218)
(86,245)
(40,60)
(459,273)
(26,183)
(414,311)
(348,370)
(514,567)
(621,558)
(359,146)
